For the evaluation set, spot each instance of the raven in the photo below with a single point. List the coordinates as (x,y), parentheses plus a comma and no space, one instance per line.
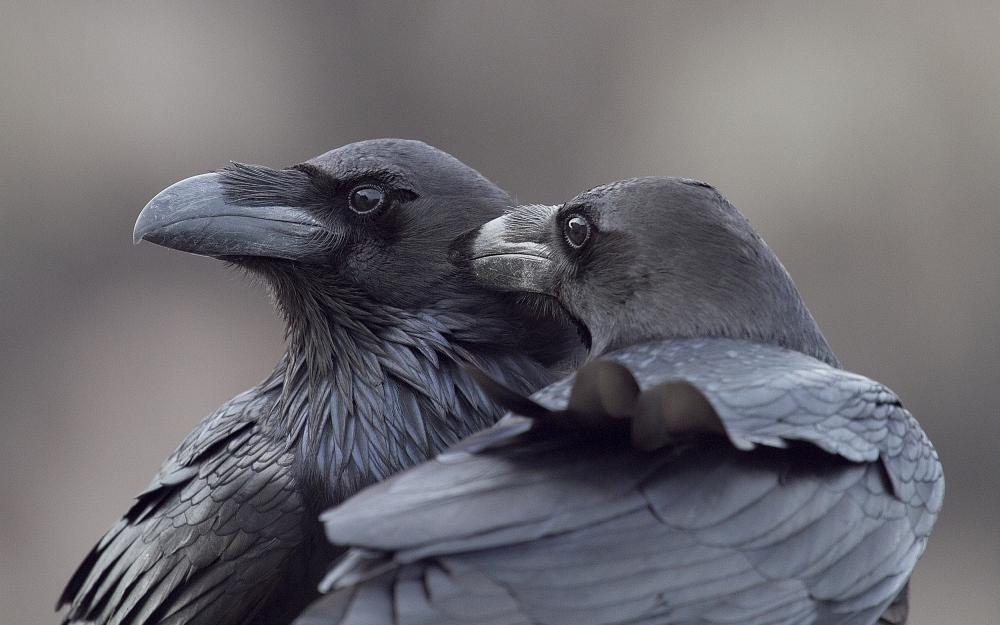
(354,247)
(711,462)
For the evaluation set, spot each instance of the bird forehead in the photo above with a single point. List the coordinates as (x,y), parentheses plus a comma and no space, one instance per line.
(346,166)
(649,208)
(618,205)
(646,192)
(396,150)
(609,215)
(400,155)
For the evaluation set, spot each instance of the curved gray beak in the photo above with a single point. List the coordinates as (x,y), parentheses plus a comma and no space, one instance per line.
(195,216)
(514,252)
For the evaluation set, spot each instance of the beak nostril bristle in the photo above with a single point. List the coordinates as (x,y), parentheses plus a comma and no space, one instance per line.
(460,249)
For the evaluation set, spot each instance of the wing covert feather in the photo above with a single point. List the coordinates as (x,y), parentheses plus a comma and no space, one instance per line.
(226,495)
(812,508)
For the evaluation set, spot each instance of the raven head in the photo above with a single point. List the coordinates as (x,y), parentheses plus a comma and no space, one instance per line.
(375,216)
(648,258)
(353,237)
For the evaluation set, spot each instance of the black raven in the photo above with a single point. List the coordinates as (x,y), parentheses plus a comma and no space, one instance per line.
(353,245)
(711,463)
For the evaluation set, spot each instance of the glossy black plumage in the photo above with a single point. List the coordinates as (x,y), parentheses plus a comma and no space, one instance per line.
(802,493)
(378,324)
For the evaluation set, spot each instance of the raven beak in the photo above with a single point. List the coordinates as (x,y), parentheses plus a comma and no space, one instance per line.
(194,215)
(514,252)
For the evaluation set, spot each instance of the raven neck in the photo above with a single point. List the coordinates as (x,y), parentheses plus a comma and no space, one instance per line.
(364,396)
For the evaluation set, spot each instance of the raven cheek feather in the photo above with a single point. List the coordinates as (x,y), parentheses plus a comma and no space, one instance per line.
(760,483)
(354,245)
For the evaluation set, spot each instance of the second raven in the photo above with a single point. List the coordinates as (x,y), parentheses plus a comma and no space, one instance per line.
(711,464)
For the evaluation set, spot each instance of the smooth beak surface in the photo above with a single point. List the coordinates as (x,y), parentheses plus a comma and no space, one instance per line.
(514,252)
(194,216)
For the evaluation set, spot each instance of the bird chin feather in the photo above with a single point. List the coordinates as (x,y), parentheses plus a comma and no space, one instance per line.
(544,305)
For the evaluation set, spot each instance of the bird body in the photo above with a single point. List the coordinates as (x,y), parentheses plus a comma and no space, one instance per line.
(568,528)
(353,246)
(707,465)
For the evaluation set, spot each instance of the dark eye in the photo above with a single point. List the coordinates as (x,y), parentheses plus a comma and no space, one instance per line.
(577,230)
(364,200)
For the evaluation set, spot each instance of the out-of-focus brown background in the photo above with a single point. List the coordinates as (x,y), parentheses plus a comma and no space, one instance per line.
(861,139)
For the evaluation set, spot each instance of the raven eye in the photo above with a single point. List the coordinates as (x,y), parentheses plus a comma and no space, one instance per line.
(577,230)
(364,200)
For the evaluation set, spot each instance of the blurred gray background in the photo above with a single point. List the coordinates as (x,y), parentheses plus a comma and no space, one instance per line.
(861,139)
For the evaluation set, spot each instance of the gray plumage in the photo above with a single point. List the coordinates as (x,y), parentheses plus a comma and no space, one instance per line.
(709,467)
(353,245)
(666,257)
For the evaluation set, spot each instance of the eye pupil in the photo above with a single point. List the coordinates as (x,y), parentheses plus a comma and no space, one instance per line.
(366,199)
(577,231)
